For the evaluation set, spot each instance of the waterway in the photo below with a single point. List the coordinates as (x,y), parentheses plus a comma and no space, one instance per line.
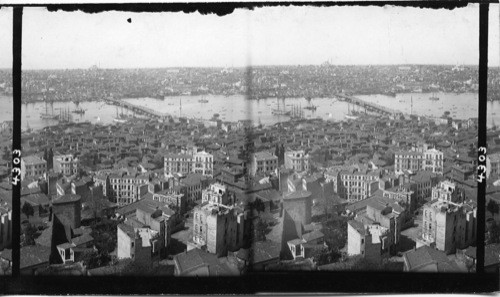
(234,108)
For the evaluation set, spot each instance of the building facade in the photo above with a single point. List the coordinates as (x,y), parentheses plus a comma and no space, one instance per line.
(429,160)
(297,160)
(263,162)
(191,162)
(449,221)
(217,228)
(126,189)
(33,167)
(65,164)
(355,186)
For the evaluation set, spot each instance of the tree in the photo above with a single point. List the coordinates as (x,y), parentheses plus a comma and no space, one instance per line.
(493,233)
(28,210)
(93,259)
(327,256)
(493,207)
(260,230)
(258,205)
(29,235)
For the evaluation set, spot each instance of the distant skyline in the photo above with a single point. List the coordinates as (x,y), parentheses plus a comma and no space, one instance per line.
(265,36)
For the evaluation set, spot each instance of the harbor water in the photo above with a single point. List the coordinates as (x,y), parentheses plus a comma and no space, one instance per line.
(234,108)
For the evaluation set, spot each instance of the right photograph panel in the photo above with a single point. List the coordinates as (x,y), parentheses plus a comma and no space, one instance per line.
(273,139)
(492,236)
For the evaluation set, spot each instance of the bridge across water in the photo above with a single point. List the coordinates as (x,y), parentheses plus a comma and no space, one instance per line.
(138,109)
(369,106)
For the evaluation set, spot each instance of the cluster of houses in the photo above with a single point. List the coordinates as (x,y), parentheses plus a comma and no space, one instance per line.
(249,198)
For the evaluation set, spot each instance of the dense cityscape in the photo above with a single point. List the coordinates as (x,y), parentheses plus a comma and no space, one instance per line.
(258,82)
(180,196)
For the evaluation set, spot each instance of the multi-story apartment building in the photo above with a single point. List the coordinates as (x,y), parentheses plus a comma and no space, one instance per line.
(429,160)
(297,160)
(138,244)
(263,162)
(199,162)
(178,163)
(218,228)
(32,167)
(375,231)
(449,220)
(215,194)
(172,199)
(65,164)
(356,185)
(126,189)
(433,161)
(203,163)
(494,165)
(444,191)
(145,233)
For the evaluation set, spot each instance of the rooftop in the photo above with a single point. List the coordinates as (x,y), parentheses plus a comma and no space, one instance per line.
(67,198)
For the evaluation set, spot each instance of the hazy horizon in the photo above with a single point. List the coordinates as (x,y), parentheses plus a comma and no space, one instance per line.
(271,36)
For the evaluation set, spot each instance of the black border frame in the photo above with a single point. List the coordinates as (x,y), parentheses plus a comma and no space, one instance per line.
(291,282)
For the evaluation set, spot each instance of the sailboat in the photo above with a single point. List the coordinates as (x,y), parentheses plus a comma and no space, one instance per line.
(203,100)
(47,115)
(279,111)
(120,118)
(64,116)
(434,97)
(310,106)
(351,115)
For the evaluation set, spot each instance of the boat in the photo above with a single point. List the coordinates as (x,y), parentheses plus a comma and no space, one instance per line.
(120,118)
(351,117)
(47,115)
(78,111)
(351,114)
(434,97)
(203,100)
(278,111)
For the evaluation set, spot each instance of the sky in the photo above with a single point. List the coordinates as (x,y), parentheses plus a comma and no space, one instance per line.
(264,36)
(6,14)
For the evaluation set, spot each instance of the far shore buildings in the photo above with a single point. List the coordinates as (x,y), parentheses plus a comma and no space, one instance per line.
(449,220)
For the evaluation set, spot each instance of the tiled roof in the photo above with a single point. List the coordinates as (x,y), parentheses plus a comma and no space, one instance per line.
(67,198)
(297,195)
(358,226)
(197,259)
(492,254)
(31,160)
(426,255)
(34,255)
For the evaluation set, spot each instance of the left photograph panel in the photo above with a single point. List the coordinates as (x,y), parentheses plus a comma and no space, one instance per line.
(6,120)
